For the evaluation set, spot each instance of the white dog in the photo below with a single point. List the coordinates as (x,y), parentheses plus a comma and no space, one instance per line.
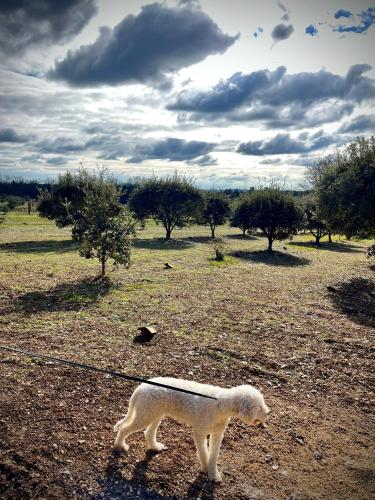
(149,404)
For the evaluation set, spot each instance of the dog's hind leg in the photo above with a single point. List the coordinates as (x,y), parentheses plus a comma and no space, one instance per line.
(150,435)
(200,440)
(137,422)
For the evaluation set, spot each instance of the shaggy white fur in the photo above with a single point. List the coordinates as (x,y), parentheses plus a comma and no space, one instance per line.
(149,404)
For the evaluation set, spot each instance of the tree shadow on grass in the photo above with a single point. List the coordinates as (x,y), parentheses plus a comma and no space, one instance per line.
(64,297)
(115,486)
(272,258)
(356,299)
(197,239)
(161,244)
(40,246)
(241,237)
(333,247)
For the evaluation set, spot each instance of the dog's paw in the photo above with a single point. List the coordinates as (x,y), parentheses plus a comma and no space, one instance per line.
(159,447)
(216,477)
(121,446)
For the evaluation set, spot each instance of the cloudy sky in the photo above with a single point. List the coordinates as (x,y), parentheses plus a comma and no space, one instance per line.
(231,92)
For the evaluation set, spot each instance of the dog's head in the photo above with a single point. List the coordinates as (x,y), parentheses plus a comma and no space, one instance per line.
(249,405)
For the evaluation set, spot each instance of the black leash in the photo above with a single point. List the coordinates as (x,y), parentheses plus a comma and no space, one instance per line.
(103,370)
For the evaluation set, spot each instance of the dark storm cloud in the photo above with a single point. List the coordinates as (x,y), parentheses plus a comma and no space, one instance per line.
(170,149)
(281,32)
(278,99)
(10,135)
(146,48)
(228,94)
(28,23)
(284,144)
(359,125)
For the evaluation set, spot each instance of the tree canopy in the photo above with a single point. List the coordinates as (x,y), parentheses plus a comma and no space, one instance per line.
(215,213)
(346,190)
(243,216)
(172,201)
(105,227)
(276,213)
(63,202)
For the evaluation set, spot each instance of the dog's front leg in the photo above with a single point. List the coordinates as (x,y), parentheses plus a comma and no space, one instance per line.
(215,443)
(200,440)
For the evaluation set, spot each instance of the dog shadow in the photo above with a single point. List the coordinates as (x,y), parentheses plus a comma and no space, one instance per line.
(201,488)
(115,486)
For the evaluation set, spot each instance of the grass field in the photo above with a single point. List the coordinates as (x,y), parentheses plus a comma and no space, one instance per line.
(256,318)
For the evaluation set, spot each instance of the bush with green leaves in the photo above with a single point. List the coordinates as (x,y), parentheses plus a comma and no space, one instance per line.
(219,247)
(346,190)
(104,228)
(172,201)
(313,220)
(276,213)
(243,216)
(215,213)
(63,202)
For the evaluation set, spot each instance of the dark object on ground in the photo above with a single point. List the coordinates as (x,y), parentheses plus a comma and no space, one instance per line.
(168,266)
(331,289)
(146,333)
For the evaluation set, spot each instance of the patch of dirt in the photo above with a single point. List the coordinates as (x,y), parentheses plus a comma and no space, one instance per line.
(270,323)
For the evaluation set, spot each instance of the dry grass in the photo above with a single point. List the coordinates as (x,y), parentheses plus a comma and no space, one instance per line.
(267,320)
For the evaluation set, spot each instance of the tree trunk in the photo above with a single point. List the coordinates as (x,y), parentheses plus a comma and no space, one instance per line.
(244,232)
(212,232)
(102,261)
(29,207)
(270,241)
(330,236)
(168,234)
(317,239)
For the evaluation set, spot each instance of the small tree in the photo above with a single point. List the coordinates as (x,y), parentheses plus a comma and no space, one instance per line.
(276,213)
(215,213)
(243,217)
(313,221)
(220,248)
(104,228)
(171,201)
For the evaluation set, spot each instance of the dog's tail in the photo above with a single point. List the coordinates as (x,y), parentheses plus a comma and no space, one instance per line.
(128,417)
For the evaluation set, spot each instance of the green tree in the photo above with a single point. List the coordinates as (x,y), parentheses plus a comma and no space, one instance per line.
(243,216)
(276,213)
(313,174)
(172,201)
(63,202)
(105,228)
(313,221)
(346,190)
(215,213)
